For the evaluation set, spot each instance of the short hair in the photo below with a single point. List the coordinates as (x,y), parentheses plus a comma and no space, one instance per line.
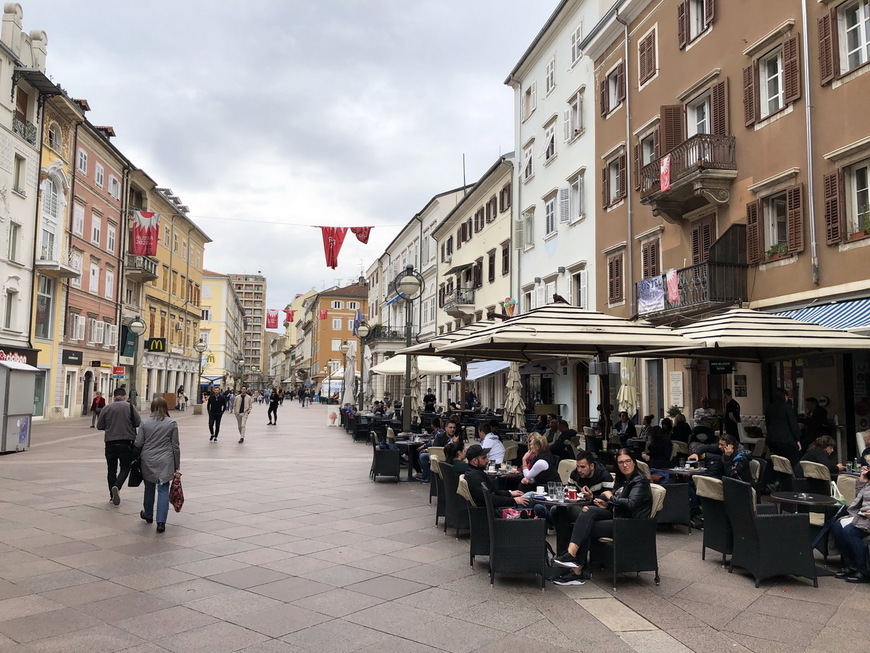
(729,439)
(159,406)
(585,455)
(562,423)
(812,400)
(485,428)
(454,422)
(436,422)
(539,441)
(120,392)
(493,424)
(727,392)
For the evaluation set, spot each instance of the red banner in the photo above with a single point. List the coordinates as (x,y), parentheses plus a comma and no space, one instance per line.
(146,232)
(289,315)
(271,318)
(361,233)
(333,237)
(323,313)
(665,173)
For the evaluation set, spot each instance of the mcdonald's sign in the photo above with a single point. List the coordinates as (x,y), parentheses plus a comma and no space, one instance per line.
(155,344)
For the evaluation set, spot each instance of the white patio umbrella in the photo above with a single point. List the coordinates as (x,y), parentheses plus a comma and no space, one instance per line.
(426,365)
(514,406)
(415,387)
(627,396)
(369,391)
(348,397)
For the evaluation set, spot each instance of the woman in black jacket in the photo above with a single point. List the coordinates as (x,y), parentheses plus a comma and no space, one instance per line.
(821,451)
(631,499)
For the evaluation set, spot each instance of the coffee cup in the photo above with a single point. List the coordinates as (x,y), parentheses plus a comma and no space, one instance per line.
(572,494)
(540,490)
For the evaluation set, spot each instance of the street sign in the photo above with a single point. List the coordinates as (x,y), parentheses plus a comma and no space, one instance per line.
(117,372)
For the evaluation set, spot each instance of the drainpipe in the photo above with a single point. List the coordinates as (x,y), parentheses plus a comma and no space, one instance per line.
(628,180)
(811,182)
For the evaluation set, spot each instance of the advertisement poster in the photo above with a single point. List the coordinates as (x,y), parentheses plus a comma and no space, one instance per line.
(145,234)
(676,389)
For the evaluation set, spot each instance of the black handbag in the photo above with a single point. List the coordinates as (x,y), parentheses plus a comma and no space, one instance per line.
(135,477)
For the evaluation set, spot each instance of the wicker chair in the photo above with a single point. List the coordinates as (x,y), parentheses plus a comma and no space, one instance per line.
(391,434)
(455,512)
(516,546)
(633,545)
(385,462)
(644,468)
(758,468)
(846,485)
(565,468)
(510,450)
(440,492)
(676,509)
(785,474)
(818,477)
(477,521)
(767,545)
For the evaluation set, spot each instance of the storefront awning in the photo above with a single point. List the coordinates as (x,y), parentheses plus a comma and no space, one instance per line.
(850,315)
(480,369)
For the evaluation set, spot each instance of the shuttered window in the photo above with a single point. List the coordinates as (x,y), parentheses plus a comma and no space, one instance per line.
(754,244)
(614,278)
(794,219)
(703,234)
(612,89)
(613,181)
(834,213)
(829,55)
(693,19)
(646,56)
(672,127)
(649,255)
(772,82)
(775,225)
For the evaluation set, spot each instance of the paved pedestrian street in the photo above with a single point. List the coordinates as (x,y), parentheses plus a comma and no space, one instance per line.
(284,544)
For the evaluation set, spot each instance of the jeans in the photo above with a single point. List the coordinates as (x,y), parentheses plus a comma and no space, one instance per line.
(118,452)
(214,423)
(162,500)
(272,413)
(425,467)
(95,414)
(591,524)
(850,541)
(542,511)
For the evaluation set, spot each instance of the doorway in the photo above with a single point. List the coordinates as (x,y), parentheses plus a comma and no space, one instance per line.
(87,391)
(581,381)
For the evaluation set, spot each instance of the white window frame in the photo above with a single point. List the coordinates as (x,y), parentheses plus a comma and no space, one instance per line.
(692,121)
(528,223)
(861,51)
(109,284)
(9,313)
(648,149)
(550,76)
(576,40)
(99,332)
(45,290)
(550,222)
(99,174)
(110,238)
(353,306)
(577,197)
(94,278)
(574,117)
(50,202)
(91,330)
(110,339)
(82,161)
(613,101)
(771,100)
(114,187)
(549,151)
(96,228)
(14,242)
(697,19)
(858,195)
(613,194)
(530,100)
(77,263)
(350,322)
(336,324)
(55,138)
(78,327)
(337,304)
(79,220)
(775,220)
(335,345)
(528,161)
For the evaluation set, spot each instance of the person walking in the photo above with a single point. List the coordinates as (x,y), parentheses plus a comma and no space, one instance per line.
(97,406)
(783,432)
(160,459)
(274,400)
(216,405)
(119,420)
(241,409)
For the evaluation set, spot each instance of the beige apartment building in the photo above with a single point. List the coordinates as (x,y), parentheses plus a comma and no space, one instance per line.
(251,289)
(720,186)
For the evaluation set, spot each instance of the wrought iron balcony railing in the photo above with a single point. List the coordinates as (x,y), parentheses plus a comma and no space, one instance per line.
(692,287)
(700,152)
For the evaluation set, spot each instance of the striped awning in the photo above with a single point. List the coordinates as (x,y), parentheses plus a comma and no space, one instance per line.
(850,315)
(480,369)
(430,346)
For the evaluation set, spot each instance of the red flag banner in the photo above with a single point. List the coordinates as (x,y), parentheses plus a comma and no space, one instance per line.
(271,318)
(323,313)
(145,233)
(288,314)
(362,234)
(333,238)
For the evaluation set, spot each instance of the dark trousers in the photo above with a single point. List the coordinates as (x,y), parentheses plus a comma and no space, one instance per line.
(273,414)
(118,452)
(850,541)
(214,423)
(593,523)
(785,450)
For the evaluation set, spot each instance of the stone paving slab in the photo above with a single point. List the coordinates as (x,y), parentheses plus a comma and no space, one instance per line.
(285,546)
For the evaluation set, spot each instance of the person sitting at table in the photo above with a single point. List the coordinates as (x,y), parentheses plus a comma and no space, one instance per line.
(704,418)
(541,424)
(539,465)
(865,455)
(454,454)
(821,451)
(476,477)
(591,476)
(681,431)
(552,431)
(491,441)
(625,428)
(727,458)
(440,438)
(631,499)
(658,450)
(559,449)
(645,426)
(850,537)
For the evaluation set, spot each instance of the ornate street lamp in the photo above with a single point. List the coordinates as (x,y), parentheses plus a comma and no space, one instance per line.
(137,327)
(362,331)
(200,348)
(409,286)
(343,349)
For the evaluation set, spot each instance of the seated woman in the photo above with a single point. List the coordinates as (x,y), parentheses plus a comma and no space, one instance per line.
(631,499)
(850,538)
(821,451)
(454,454)
(539,466)
(681,431)
(645,426)
(658,451)
(541,424)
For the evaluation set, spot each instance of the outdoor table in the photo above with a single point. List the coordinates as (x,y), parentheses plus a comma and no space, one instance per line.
(686,471)
(506,480)
(804,499)
(562,524)
(410,448)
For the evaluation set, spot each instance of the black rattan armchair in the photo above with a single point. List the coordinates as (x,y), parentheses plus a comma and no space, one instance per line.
(478,523)
(385,462)
(456,514)
(516,546)
(676,509)
(767,545)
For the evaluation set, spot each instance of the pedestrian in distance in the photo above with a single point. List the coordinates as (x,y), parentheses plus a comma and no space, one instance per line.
(97,406)
(241,409)
(217,403)
(119,420)
(274,400)
(160,459)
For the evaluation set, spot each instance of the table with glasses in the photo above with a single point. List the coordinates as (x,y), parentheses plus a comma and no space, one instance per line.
(555,499)
(410,447)
(803,499)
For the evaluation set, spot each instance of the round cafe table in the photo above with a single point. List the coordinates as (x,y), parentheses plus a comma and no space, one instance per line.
(806,499)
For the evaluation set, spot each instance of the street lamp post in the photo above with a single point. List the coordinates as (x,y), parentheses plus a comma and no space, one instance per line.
(343,349)
(409,286)
(137,328)
(200,348)
(362,331)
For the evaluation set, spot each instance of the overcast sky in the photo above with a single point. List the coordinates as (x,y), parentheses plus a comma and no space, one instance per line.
(265,116)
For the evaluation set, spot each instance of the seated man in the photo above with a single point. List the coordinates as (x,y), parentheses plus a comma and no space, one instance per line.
(476,478)
(865,455)
(440,437)
(591,477)
(704,418)
(491,442)
(625,428)
(558,448)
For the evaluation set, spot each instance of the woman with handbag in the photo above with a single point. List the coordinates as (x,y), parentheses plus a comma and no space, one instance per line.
(160,459)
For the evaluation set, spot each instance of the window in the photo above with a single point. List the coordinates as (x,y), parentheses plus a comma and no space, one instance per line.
(14,237)
(550,216)
(96,228)
(505,259)
(693,19)
(649,257)
(702,236)
(50,204)
(94,285)
(110,238)
(337,304)
(109,288)
(574,117)
(79,220)
(82,162)
(490,266)
(99,173)
(175,243)
(479,219)
(524,230)
(336,344)
(55,140)
(844,39)
(772,82)
(771,88)
(183,250)
(646,151)
(9,309)
(613,181)
(698,116)
(530,100)
(774,225)
(504,198)
(111,335)
(336,324)
(205,315)
(614,278)
(576,198)
(550,76)
(46,250)
(646,58)
(491,209)
(99,332)
(353,306)
(114,187)
(19,172)
(580,289)
(847,201)
(529,161)
(166,237)
(44,304)
(550,142)
(612,89)
(350,325)
(78,264)
(576,40)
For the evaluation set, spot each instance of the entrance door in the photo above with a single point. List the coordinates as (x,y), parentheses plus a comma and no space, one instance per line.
(69,393)
(39,395)
(581,380)
(87,392)
(655,391)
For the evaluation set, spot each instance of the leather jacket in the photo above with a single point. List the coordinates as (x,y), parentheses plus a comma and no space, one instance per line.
(633,500)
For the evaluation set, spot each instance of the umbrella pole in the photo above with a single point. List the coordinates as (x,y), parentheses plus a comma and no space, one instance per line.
(604,383)
(463,373)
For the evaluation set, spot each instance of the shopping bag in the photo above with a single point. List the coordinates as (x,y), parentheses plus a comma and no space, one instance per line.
(135,477)
(176,494)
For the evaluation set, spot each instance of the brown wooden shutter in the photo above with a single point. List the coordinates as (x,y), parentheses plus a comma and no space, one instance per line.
(828,48)
(709,12)
(644,260)
(636,165)
(749,95)
(656,151)
(647,57)
(651,54)
(791,67)
(754,244)
(643,71)
(620,82)
(654,258)
(683,23)
(702,239)
(672,126)
(614,278)
(834,213)
(623,186)
(719,108)
(602,94)
(794,218)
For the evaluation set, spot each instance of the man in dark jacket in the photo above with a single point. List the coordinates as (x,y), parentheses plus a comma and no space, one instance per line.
(476,478)
(217,403)
(783,432)
(592,478)
(119,420)
(558,448)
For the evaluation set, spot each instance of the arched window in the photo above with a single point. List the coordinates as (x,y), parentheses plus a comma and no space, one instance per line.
(50,199)
(55,140)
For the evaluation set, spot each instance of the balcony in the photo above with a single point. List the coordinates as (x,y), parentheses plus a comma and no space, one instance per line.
(141,268)
(459,303)
(702,169)
(49,264)
(379,332)
(689,291)
(27,130)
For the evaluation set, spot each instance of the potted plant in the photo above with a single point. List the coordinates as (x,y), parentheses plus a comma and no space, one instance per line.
(775,251)
(865,221)
(674,410)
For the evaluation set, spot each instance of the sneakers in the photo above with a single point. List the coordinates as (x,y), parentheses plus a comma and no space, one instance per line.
(268,423)
(116,495)
(212,438)
(570,579)
(566,560)
(241,440)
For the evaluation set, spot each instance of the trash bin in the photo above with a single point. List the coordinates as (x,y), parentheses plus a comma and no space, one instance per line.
(17,388)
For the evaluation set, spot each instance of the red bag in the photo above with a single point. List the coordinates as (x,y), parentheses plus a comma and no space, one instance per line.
(176,494)
(513,513)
